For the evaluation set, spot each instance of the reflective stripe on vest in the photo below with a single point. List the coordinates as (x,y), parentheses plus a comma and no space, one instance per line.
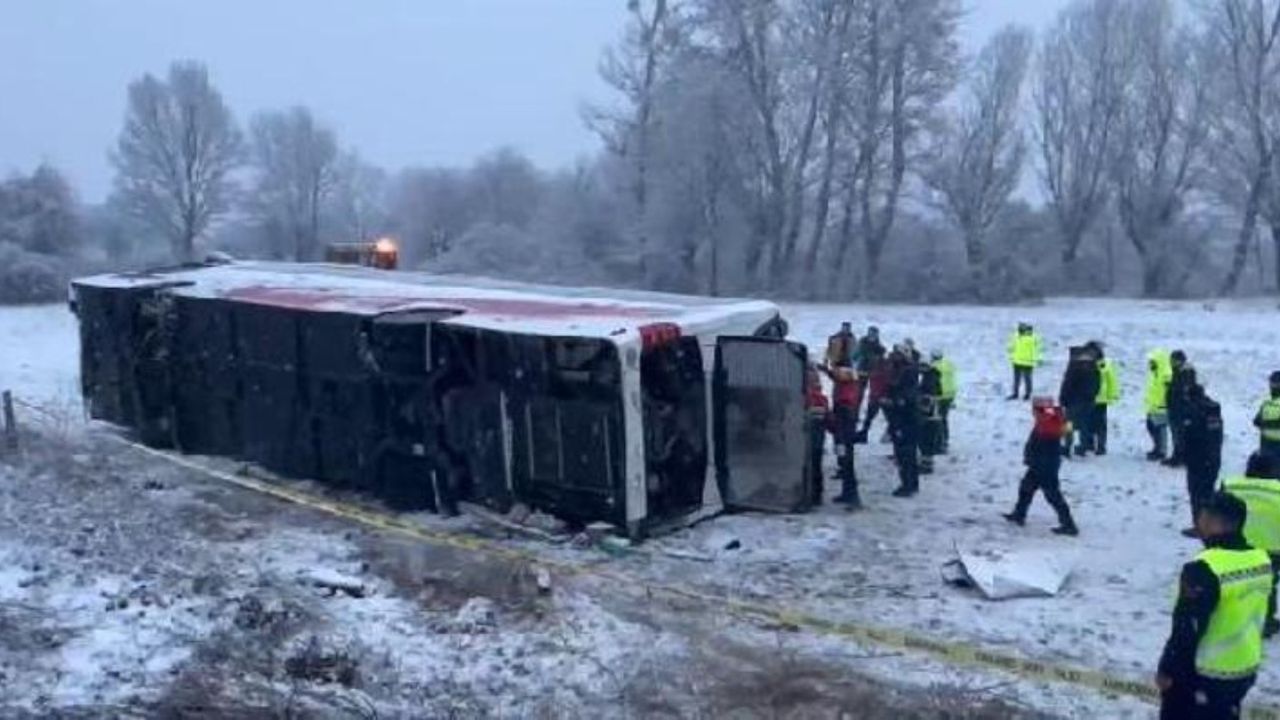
(1270,417)
(1262,498)
(1231,646)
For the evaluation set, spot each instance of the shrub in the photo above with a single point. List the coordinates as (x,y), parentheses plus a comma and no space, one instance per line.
(27,277)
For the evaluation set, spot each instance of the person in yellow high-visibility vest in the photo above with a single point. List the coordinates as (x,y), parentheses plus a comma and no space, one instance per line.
(1268,420)
(1156,402)
(950,389)
(1108,395)
(1259,488)
(1214,650)
(1025,354)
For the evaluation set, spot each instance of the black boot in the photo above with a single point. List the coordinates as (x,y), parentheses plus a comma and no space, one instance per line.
(1068,530)
(1015,518)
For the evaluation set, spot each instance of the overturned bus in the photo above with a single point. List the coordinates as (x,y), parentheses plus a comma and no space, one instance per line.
(639,409)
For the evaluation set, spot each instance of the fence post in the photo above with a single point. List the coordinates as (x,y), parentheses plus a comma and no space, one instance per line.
(10,424)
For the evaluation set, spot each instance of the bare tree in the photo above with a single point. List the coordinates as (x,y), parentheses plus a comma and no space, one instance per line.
(633,69)
(295,160)
(1242,39)
(175,153)
(977,162)
(1159,133)
(1078,97)
(906,61)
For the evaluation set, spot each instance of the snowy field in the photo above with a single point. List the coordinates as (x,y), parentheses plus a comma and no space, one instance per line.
(881,565)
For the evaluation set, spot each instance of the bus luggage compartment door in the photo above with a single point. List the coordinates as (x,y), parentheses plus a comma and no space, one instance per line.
(760,424)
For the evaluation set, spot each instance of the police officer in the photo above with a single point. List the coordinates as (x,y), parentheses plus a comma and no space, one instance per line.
(1201,447)
(902,409)
(1259,488)
(1025,351)
(1214,650)
(1108,395)
(1268,420)
(1181,378)
(950,388)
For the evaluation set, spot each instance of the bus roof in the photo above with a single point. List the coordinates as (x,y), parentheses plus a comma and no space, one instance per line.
(480,302)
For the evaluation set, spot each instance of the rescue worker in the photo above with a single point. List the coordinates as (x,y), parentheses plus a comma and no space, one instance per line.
(840,347)
(1078,395)
(1202,448)
(950,388)
(1042,455)
(1108,395)
(819,421)
(1259,488)
(1179,381)
(930,416)
(902,410)
(877,386)
(845,396)
(1156,402)
(1214,649)
(1025,351)
(1268,420)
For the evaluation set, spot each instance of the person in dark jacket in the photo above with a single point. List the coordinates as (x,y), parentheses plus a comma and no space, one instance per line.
(1182,377)
(1202,447)
(846,394)
(1078,396)
(930,416)
(902,409)
(1042,455)
(869,353)
(1192,684)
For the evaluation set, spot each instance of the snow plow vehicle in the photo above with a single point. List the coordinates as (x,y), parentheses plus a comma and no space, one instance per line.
(642,410)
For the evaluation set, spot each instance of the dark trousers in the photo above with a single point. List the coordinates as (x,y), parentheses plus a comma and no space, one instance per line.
(944,408)
(1081,417)
(1158,429)
(1176,437)
(1021,375)
(1275,579)
(873,409)
(1201,479)
(1270,448)
(845,432)
(1202,698)
(1098,429)
(817,445)
(906,453)
(1048,484)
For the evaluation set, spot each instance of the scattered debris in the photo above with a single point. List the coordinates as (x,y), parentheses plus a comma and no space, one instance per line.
(1001,575)
(543,577)
(687,555)
(336,583)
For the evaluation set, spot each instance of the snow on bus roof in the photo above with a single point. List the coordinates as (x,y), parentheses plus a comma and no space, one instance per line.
(481,302)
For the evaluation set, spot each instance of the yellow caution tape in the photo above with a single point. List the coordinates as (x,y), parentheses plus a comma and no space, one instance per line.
(954,653)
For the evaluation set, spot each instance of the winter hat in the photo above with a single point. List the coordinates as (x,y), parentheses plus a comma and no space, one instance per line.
(1275,378)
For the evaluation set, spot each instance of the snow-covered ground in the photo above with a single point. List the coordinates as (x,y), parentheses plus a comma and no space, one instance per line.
(881,565)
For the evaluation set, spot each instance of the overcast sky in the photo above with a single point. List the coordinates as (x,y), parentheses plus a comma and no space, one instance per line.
(403,81)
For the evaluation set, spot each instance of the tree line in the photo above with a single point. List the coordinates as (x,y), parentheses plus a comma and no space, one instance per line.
(812,149)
